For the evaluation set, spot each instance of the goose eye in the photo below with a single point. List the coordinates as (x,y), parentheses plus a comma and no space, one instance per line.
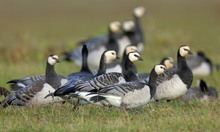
(113,53)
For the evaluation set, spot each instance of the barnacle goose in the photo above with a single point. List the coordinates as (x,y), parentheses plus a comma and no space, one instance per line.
(125,95)
(167,62)
(34,94)
(174,84)
(200,64)
(104,79)
(116,66)
(107,57)
(138,12)
(4,91)
(200,92)
(97,45)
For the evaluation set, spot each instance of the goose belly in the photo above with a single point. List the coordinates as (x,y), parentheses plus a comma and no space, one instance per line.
(204,69)
(171,89)
(137,98)
(39,97)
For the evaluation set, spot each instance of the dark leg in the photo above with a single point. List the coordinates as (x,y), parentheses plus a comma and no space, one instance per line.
(168,100)
(76,106)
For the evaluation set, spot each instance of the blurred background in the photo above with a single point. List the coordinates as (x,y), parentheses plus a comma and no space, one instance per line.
(31,30)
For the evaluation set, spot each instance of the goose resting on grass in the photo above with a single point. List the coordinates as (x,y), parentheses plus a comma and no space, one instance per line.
(124,95)
(34,94)
(200,92)
(175,84)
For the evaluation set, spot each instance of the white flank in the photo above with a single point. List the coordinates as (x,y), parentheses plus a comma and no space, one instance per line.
(137,97)
(171,89)
(39,97)
(123,43)
(203,69)
(117,68)
(113,100)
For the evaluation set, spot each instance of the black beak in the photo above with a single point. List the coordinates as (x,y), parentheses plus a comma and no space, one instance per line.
(189,52)
(117,57)
(58,61)
(140,59)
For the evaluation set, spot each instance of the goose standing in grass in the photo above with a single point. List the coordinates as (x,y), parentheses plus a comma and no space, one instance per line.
(103,79)
(200,64)
(106,58)
(34,94)
(175,84)
(200,92)
(97,46)
(125,95)
(138,12)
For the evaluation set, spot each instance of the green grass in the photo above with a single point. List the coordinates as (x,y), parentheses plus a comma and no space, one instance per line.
(30,31)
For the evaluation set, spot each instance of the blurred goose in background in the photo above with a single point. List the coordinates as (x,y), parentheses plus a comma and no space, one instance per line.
(116,66)
(200,64)
(106,58)
(104,79)
(124,95)
(175,84)
(34,94)
(218,66)
(4,91)
(167,62)
(200,92)
(138,12)
(96,46)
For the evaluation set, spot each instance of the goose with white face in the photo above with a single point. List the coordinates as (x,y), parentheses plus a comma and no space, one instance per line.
(130,49)
(128,26)
(168,62)
(110,56)
(53,59)
(184,51)
(115,26)
(159,69)
(139,11)
(134,56)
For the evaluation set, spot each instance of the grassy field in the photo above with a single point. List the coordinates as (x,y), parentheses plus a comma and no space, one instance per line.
(31,30)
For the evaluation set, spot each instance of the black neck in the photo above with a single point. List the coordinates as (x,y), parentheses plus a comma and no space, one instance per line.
(152,82)
(84,60)
(102,65)
(129,70)
(50,74)
(184,71)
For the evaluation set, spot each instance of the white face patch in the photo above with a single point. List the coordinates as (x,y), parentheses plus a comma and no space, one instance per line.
(130,49)
(160,69)
(139,11)
(110,56)
(115,26)
(184,51)
(52,60)
(133,56)
(168,63)
(128,26)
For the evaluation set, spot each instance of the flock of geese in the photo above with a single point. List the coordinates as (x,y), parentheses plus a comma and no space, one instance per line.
(114,83)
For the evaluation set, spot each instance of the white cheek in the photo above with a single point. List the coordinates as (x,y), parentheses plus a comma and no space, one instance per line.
(51,61)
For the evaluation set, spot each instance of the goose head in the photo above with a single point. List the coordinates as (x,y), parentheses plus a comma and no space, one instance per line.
(114,26)
(130,48)
(139,11)
(53,59)
(110,56)
(128,26)
(159,69)
(134,56)
(168,62)
(184,50)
